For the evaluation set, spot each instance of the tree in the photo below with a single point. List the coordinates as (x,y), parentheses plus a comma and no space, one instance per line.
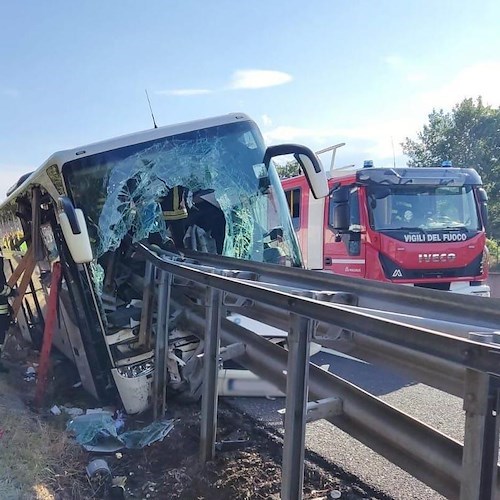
(289,169)
(469,135)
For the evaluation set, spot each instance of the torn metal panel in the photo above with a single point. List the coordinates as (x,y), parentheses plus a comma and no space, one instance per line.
(134,384)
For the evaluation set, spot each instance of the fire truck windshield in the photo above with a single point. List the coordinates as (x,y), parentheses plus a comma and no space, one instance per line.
(422,207)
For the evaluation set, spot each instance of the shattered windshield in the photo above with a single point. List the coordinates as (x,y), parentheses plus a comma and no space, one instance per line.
(423,207)
(205,190)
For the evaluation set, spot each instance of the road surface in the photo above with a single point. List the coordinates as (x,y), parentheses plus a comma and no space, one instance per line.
(433,407)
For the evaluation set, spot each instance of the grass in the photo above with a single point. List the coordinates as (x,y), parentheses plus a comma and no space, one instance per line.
(37,460)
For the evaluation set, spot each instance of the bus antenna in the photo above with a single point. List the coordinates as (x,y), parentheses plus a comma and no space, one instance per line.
(393,152)
(151,109)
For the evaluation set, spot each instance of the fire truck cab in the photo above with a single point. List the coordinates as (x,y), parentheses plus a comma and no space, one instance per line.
(415,226)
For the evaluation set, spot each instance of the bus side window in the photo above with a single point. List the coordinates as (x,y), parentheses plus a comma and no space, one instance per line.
(49,242)
(24,215)
(293,200)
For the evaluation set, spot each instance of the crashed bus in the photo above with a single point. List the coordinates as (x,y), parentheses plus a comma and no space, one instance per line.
(87,207)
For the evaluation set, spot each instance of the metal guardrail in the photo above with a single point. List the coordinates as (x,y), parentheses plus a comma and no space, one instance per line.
(468,471)
(372,294)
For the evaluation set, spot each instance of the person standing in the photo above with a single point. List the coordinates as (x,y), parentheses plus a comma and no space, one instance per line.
(5,292)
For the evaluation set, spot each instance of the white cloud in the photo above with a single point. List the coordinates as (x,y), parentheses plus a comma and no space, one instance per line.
(416,76)
(377,141)
(406,69)
(258,79)
(266,120)
(184,92)
(380,139)
(394,61)
(289,134)
(240,79)
(481,79)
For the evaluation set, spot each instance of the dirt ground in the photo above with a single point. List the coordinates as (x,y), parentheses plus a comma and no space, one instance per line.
(39,460)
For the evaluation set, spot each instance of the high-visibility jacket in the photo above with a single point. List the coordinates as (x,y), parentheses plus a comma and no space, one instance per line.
(5,291)
(174,204)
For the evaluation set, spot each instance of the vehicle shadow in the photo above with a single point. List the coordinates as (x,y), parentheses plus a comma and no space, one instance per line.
(373,379)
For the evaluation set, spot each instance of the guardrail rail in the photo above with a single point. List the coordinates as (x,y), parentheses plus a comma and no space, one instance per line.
(451,345)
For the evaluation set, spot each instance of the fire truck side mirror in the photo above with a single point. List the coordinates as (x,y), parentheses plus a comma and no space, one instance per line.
(309,163)
(74,229)
(341,195)
(341,217)
(483,207)
(339,209)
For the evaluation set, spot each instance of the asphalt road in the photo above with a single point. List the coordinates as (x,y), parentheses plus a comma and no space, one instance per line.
(433,407)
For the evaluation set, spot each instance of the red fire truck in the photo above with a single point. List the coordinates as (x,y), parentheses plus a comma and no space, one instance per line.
(416,226)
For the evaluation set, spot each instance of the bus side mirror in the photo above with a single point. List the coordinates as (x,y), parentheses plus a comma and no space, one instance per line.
(74,229)
(308,161)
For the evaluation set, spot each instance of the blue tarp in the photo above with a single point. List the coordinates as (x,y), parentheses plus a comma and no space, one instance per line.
(98,432)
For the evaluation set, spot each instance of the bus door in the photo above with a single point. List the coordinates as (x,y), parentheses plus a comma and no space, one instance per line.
(73,325)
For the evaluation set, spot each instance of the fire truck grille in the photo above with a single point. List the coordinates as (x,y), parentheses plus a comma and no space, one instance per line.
(394,272)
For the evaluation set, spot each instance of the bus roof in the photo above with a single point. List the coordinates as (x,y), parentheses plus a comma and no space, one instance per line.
(62,157)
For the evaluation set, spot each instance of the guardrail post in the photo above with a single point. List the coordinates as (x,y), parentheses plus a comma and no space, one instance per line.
(210,376)
(480,452)
(292,475)
(161,346)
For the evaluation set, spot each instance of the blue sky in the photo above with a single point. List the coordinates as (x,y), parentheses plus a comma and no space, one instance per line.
(321,72)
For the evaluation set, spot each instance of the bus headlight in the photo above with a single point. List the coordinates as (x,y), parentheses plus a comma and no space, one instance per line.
(138,370)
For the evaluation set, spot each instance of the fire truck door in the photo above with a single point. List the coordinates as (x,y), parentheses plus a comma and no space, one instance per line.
(344,251)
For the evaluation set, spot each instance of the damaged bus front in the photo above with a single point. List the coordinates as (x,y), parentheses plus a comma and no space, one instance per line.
(207,186)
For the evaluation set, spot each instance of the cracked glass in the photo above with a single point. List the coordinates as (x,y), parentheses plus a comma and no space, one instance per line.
(233,204)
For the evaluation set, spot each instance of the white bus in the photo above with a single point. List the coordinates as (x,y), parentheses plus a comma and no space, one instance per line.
(87,206)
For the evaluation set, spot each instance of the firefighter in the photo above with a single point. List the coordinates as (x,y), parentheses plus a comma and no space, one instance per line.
(207,214)
(175,213)
(5,293)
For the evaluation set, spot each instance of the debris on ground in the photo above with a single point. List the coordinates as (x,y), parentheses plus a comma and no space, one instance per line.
(55,410)
(99,477)
(98,431)
(30,374)
(39,460)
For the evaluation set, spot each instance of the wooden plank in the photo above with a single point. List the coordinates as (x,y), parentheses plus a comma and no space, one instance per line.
(14,277)
(30,266)
(48,334)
